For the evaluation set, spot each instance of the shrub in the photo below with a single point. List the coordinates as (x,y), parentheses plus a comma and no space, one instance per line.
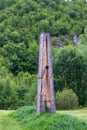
(17,91)
(70,70)
(66,99)
(26,88)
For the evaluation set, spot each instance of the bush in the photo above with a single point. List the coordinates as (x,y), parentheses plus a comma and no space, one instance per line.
(17,91)
(70,70)
(66,99)
(26,88)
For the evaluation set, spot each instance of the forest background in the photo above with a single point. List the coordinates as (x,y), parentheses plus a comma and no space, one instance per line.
(21,23)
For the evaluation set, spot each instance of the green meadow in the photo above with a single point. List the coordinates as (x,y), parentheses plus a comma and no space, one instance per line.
(25,118)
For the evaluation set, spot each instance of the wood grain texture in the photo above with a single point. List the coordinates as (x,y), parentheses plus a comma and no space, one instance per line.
(45,90)
(50,75)
(39,75)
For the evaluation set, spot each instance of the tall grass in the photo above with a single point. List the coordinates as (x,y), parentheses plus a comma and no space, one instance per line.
(7,123)
(46,121)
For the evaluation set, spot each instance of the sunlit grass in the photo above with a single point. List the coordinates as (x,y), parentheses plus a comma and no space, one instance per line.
(47,121)
(7,123)
(80,113)
(26,119)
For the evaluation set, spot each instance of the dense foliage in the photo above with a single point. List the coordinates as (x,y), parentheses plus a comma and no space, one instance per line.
(66,99)
(21,22)
(19,58)
(17,91)
(70,71)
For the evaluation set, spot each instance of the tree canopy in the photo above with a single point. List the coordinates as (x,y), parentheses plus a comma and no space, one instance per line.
(21,23)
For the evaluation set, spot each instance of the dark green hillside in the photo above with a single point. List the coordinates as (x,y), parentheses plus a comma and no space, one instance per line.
(21,23)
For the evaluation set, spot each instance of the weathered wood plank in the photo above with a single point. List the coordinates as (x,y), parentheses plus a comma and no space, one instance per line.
(48,96)
(45,90)
(39,75)
(51,75)
(44,75)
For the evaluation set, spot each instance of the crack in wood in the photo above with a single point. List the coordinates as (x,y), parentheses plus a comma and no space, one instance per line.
(45,90)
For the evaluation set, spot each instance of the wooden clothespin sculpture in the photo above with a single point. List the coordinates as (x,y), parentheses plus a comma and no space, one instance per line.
(45,90)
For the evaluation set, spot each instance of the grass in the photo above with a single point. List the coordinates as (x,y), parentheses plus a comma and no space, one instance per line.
(7,123)
(46,121)
(80,113)
(25,118)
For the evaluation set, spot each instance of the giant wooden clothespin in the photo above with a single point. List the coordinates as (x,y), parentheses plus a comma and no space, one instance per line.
(45,90)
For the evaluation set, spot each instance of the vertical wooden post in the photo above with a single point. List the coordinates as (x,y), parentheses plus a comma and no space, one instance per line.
(39,98)
(45,90)
(50,75)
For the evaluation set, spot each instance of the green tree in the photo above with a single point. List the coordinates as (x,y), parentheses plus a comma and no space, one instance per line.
(17,91)
(20,57)
(83,37)
(70,71)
